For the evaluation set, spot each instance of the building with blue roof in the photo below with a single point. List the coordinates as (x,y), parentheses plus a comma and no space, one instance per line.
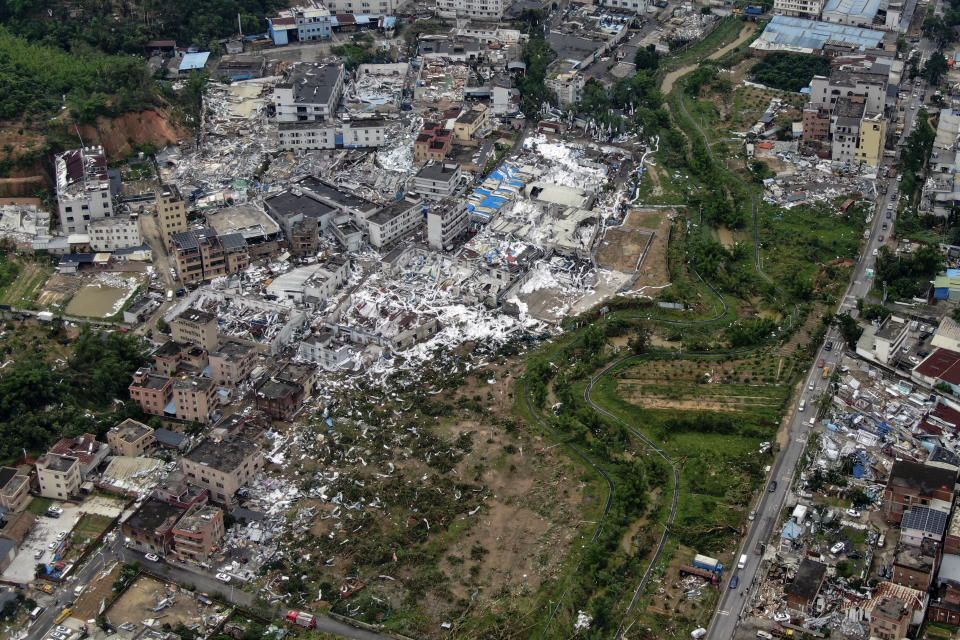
(193,61)
(798,35)
(851,12)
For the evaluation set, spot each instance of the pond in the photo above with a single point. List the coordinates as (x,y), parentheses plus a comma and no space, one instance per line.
(97,300)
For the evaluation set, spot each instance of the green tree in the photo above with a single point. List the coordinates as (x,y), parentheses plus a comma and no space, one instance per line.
(935,68)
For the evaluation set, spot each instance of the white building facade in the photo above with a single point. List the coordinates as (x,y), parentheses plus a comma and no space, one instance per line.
(111,234)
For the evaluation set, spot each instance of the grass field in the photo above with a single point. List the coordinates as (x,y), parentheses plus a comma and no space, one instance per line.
(22,292)
(89,528)
(38,506)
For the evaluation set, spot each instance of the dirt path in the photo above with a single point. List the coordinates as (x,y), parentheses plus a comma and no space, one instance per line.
(668,80)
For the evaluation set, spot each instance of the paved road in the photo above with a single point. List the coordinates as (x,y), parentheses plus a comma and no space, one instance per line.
(727,617)
(202,582)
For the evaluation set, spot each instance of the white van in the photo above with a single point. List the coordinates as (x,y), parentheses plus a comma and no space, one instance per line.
(743,562)
(803,405)
(881,540)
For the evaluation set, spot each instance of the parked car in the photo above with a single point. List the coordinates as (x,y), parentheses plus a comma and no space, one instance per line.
(853,513)
(152,557)
(735,582)
(753,515)
(61,535)
(222,577)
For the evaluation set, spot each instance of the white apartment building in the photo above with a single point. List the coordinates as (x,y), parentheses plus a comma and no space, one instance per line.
(446,221)
(568,84)
(798,8)
(311,92)
(634,6)
(373,7)
(111,234)
(479,9)
(395,221)
(304,136)
(436,180)
(825,91)
(83,188)
(363,133)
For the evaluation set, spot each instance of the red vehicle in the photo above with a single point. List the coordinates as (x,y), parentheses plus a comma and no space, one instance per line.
(820,363)
(302,618)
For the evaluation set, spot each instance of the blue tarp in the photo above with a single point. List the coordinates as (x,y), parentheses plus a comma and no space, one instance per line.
(791,530)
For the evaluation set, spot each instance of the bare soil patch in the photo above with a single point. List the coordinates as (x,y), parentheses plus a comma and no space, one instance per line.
(142,597)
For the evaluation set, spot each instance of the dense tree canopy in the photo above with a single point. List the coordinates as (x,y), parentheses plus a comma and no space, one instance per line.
(35,77)
(537,55)
(39,404)
(790,72)
(908,276)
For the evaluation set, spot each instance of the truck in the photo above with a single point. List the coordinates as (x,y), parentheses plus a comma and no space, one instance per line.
(45,316)
(63,615)
(753,11)
(708,563)
(302,619)
(743,561)
(700,573)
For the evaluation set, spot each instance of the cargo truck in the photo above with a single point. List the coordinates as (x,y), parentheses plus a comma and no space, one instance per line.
(708,563)
(45,316)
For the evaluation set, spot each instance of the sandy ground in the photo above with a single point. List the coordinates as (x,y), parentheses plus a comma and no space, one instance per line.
(138,601)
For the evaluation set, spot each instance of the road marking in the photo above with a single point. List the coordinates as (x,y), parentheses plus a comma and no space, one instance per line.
(723,613)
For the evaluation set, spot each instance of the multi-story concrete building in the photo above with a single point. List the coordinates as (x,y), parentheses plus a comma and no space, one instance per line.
(432,144)
(84,448)
(310,92)
(197,534)
(194,326)
(845,129)
(873,137)
(489,10)
(301,24)
(915,484)
(471,124)
(890,619)
(565,81)
(171,211)
(58,476)
(279,399)
(14,489)
(152,392)
(130,438)
(915,567)
(150,528)
(364,6)
(311,134)
(445,221)
(798,8)
(395,221)
(816,123)
(111,234)
(437,180)
(202,254)
(222,466)
(194,398)
(633,6)
(232,362)
(83,188)
(846,83)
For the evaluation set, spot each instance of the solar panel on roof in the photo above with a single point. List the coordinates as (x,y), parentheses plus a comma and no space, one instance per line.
(925,519)
(185,240)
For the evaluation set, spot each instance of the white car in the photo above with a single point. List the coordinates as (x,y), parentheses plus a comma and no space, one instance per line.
(853,513)
(61,535)
(222,577)
(52,546)
(152,557)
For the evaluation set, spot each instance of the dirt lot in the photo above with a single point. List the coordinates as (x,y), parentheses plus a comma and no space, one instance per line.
(22,292)
(139,600)
(101,588)
(537,496)
(58,290)
(622,247)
